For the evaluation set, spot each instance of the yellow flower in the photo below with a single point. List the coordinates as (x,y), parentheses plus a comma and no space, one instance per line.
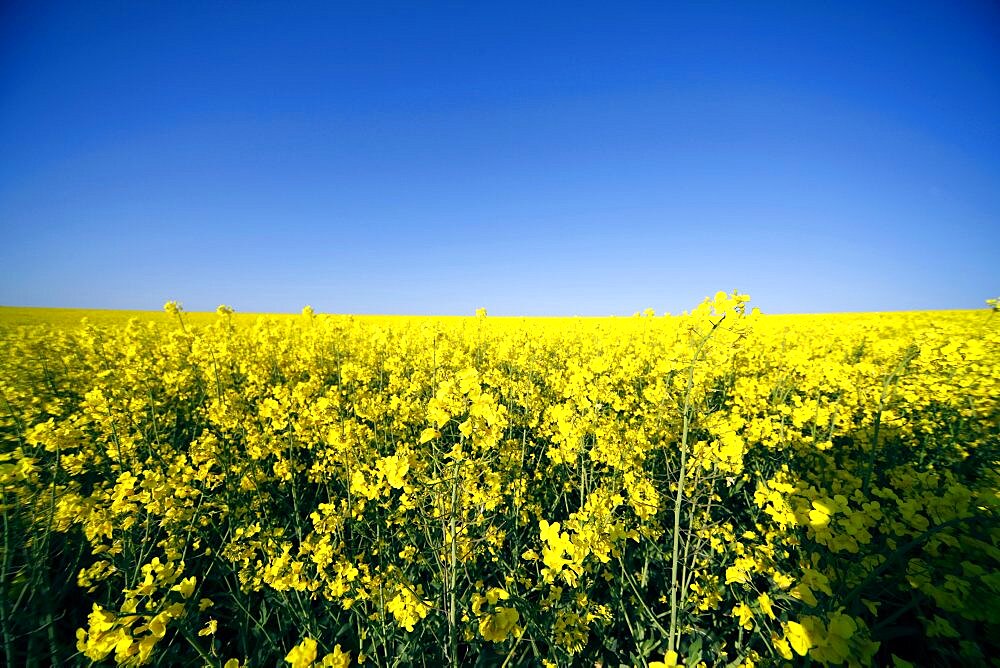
(338,658)
(548,532)
(818,517)
(745,615)
(394,468)
(670,660)
(186,586)
(835,645)
(497,626)
(302,655)
(146,648)
(407,608)
(782,646)
(798,637)
(766,604)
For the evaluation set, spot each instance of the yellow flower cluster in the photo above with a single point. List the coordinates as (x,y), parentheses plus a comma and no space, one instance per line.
(716,488)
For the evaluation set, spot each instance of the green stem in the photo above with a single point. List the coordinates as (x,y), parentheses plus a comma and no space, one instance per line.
(679,499)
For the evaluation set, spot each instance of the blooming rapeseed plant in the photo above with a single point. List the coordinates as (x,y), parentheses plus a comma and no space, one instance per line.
(733,488)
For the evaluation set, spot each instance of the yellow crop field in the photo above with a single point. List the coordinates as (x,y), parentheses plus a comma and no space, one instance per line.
(718,488)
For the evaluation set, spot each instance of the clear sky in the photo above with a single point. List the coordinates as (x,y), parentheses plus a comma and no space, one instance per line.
(535,158)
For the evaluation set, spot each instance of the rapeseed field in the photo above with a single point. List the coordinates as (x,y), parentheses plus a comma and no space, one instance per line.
(718,488)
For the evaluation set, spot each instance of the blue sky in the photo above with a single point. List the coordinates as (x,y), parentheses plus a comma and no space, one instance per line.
(535,158)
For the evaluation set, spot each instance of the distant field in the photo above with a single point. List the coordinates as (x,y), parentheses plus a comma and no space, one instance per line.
(70,317)
(719,488)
